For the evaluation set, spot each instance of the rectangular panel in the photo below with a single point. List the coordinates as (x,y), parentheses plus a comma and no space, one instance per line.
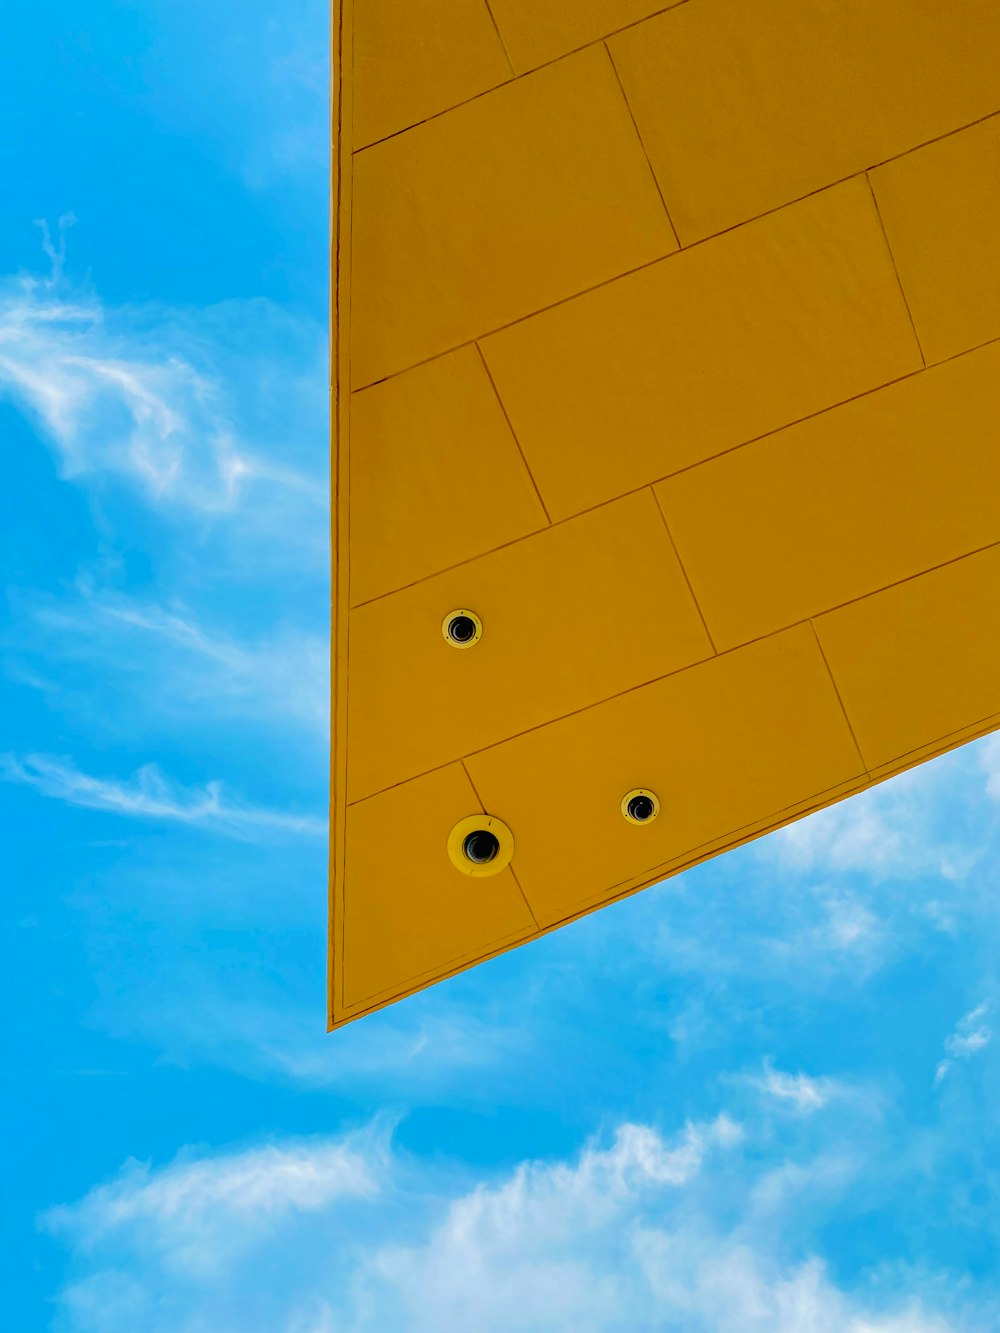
(724,744)
(919,661)
(744,105)
(436,475)
(522,197)
(535,32)
(571,615)
(412,61)
(407,913)
(848,502)
(941,209)
(704,350)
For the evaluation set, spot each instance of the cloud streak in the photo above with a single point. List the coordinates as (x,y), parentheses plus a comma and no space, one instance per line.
(281,675)
(150,795)
(972,1034)
(195,1214)
(798,1092)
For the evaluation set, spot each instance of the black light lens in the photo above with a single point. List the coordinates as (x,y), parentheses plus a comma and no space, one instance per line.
(641,808)
(461,629)
(481,846)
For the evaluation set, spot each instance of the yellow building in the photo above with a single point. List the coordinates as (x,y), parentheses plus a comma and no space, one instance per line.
(667,443)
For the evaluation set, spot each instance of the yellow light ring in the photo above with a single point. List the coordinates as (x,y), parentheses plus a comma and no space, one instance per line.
(641,792)
(462,614)
(480,824)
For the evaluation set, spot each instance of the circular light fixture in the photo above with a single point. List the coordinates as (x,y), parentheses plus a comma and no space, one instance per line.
(480,845)
(462,628)
(640,806)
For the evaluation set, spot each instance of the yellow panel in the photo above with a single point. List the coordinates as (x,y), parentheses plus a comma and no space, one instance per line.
(437,477)
(941,207)
(722,745)
(524,344)
(836,507)
(522,197)
(947,624)
(535,31)
(745,105)
(408,912)
(416,60)
(572,615)
(705,350)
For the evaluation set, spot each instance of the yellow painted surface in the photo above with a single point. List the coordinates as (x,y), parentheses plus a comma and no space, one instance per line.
(836,507)
(921,660)
(941,208)
(408,912)
(420,439)
(745,105)
(523,197)
(535,31)
(730,530)
(416,60)
(703,740)
(575,614)
(705,350)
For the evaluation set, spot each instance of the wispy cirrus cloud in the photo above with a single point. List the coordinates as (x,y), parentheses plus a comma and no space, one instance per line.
(280,675)
(972,1034)
(895,831)
(201,410)
(800,1093)
(640,1231)
(198,1213)
(270,1035)
(843,893)
(149,795)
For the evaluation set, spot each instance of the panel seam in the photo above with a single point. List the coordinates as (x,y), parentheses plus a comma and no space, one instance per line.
(520,449)
(642,142)
(503,44)
(895,268)
(687,579)
(840,698)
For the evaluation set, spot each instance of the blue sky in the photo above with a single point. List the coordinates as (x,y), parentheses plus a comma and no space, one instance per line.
(760,1098)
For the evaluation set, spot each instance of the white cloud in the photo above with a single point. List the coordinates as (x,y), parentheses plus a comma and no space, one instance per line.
(155,396)
(798,1092)
(329,1236)
(725,1287)
(246,1023)
(281,674)
(892,831)
(56,252)
(847,925)
(534,1252)
(150,795)
(971,1035)
(289,673)
(197,1214)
